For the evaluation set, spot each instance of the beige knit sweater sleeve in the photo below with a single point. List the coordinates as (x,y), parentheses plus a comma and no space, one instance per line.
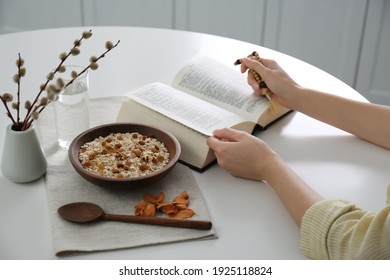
(334,229)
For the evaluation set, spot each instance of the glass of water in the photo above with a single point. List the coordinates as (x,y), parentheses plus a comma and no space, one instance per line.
(72,107)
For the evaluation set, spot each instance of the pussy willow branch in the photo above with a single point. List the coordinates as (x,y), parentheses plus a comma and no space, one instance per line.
(72,80)
(8,111)
(18,92)
(27,122)
(89,66)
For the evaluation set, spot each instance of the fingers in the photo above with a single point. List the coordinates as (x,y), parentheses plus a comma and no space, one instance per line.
(255,65)
(212,142)
(228,134)
(243,68)
(248,63)
(223,135)
(251,78)
(254,84)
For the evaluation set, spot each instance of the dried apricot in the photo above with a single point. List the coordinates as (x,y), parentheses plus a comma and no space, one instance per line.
(182,198)
(175,209)
(183,214)
(145,209)
(154,199)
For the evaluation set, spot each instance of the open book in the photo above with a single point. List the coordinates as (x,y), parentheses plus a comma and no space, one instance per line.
(205,95)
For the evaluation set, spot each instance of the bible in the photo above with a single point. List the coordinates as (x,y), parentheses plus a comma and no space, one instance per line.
(204,95)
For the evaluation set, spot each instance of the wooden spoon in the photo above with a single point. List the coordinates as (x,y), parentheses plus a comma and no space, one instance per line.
(85,212)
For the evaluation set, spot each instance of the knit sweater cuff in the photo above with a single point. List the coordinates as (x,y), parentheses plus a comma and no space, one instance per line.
(316,224)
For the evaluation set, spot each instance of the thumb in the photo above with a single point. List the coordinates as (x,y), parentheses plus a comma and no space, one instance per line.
(213,142)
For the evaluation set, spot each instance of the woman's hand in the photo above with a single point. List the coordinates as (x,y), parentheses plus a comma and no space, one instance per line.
(241,154)
(283,87)
(343,113)
(246,156)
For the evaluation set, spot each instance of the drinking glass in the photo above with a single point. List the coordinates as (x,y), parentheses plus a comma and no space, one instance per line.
(72,107)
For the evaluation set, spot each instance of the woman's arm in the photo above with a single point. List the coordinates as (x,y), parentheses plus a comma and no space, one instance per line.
(365,120)
(333,229)
(329,229)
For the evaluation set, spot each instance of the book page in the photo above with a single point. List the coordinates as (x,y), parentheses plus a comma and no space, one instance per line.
(210,80)
(192,112)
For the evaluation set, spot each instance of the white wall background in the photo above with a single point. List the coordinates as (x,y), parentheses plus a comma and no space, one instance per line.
(347,38)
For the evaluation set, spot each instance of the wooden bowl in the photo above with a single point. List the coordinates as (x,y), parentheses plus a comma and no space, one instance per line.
(165,137)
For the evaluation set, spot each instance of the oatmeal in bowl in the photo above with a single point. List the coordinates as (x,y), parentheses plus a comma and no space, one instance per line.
(124,155)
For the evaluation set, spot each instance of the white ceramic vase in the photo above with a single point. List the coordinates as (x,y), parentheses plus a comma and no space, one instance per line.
(23,159)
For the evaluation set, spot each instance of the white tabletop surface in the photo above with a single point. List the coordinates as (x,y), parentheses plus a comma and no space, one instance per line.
(248,217)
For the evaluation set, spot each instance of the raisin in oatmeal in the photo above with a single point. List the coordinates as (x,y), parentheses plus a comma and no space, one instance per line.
(124,155)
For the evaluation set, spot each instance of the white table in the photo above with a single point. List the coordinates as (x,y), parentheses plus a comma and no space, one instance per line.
(249,218)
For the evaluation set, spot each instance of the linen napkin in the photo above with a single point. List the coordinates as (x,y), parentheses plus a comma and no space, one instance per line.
(64,185)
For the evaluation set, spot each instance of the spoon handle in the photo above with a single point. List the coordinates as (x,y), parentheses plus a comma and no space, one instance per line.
(169,222)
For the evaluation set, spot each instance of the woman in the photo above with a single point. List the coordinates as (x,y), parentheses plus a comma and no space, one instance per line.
(329,229)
